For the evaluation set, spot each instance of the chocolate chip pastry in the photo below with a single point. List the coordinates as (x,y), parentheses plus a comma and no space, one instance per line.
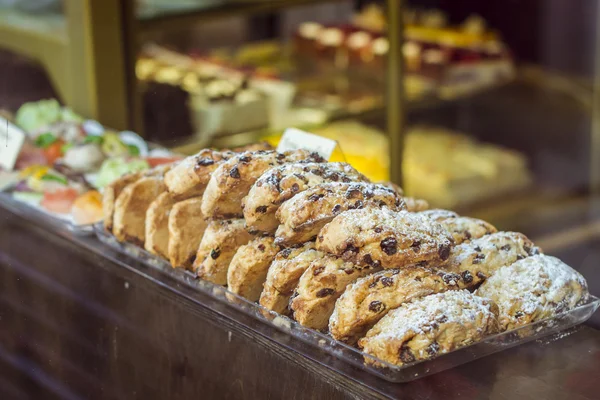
(284,274)
(303,216)
(382,237)
(282,183)
(369,299)
(190,176)
(219,244)
(462,229)
(415,205)
(231,181)
(430,326)
(157,225)
(186,229)
(320,286)
(471,263)
(533,289)
(110,195)
(249,266)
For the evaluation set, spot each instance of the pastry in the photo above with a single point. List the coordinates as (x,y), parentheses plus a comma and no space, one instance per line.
(157,225)
(218,246)
(186,228)
(305,214)
(254,147)
(533,289)
(471,263)
(282,183)
(249,266)
(439,215)
(415,205)
(232,180)
(369,299)
(129,222)
(463,229)
(430,326)
(382,237)
(320,286)
(284,274)
(109,197)
(190,177)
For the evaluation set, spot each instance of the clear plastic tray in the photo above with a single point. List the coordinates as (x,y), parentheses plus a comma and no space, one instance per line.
(343,352)
(39,215)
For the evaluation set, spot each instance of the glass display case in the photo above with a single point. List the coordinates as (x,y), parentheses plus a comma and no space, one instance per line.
(489,109)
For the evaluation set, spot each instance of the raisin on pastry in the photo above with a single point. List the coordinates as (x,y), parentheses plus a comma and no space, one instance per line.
(249,266)
(218,246)
(231,181)
(533,289)
(370,298)
(190,176)
(186,229)
(471,263)
(383,237)
(320,286)
(462,229)
(303,216)
(430,326)
(157,225)
(284,274)
(281,183)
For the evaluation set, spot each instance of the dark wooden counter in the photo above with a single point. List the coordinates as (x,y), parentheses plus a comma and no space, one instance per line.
(75,325)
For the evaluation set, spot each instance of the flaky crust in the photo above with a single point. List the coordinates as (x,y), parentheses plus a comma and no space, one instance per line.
(471,263)
(186,229)
(369,299)
(157,225)
(284,274)
(320,286)
(430,326)
(218,246)
(533,289)
(303,216)
(131,206)
(190,176)
(279,184)
(249,266)
(382,237)
(231,181)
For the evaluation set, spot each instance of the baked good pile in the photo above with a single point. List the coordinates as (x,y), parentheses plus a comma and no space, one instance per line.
(319,243)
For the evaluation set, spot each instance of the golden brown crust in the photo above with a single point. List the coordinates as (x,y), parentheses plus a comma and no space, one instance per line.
(218,246)
(284,274)
(280,184)
(157,225)
(473,262)
(369,299)
(232,180)
(320,286)
(186,229)
(415,205)
(110,195)
(249,266)
(307,213)
(190,177)
(381,237)
(131,206)
(430,326)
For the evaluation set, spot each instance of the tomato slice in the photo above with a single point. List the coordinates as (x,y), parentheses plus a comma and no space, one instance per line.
(54,151)
(59,201)
(154,161)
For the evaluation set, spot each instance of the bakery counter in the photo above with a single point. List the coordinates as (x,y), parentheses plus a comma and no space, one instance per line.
(76,325)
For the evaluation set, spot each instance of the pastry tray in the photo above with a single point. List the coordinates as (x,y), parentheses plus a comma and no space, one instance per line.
(341,351)
(39,215)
